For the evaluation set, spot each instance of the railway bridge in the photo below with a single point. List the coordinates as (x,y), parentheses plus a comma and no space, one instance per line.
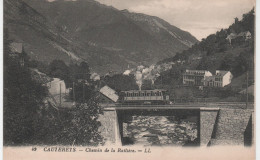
(218,123)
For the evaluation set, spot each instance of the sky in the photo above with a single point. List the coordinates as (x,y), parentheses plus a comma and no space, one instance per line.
(199,17)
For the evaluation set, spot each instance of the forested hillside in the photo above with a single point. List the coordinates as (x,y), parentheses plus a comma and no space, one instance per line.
(216,52)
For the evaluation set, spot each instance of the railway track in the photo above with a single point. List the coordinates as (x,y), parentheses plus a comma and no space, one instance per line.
(231,105)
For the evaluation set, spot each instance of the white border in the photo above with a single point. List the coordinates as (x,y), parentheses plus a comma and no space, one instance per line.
(257,67)
(1,80)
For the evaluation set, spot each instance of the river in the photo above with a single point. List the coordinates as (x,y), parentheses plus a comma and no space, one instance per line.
(147,130)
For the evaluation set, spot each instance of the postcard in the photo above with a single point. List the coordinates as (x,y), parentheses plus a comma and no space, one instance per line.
(121,79)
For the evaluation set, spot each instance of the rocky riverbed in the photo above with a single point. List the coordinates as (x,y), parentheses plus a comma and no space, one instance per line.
(160,130)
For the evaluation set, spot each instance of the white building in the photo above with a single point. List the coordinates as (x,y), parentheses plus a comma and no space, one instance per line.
(195,77)
(220,79)
(57,86)
(241,37)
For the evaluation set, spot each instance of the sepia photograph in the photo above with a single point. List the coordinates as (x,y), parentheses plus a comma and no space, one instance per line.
(90,78)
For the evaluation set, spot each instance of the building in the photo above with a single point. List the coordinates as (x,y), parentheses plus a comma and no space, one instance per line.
(16,47)
(245,35)
(108,95)
(195,77)
(231,37)
(220,79)
(57,86)
(17,50)
(239,38)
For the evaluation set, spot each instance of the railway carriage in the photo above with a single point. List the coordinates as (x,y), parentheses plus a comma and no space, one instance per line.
(157,96)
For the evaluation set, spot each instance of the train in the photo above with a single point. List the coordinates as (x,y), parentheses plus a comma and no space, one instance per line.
(144,97)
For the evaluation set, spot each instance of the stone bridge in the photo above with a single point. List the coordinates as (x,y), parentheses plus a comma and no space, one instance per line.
(217,125)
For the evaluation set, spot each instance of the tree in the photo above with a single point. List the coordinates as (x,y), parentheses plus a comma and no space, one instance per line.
(80,71)
(81,126)
(28,120)
(82,92)
(84,68)
(121,82)
(59,69)
(248,22)
(147,85)
(241,64)
(23,98)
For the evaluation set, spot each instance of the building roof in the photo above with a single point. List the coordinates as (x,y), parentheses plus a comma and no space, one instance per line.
(241,34)
(244,33)
(221,73)
(232,36)
(16,47)
(195,72)
(109,93)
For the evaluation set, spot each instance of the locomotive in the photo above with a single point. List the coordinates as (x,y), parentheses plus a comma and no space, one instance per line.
(156,96)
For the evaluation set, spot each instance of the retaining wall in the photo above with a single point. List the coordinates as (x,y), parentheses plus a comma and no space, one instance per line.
(230,126)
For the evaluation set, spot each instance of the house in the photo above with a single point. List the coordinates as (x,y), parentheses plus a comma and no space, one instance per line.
(108,95)
(57,86)
(220,79)
(239,38)
(195,77)
(17,50)
(245,35)
(95,77)
(16,47)
(230,37)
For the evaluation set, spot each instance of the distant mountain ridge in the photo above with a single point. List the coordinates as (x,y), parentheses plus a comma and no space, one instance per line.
(85,30)
(155,25)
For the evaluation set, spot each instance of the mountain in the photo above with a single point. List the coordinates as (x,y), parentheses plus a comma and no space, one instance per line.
(85,30)
(166,34)
(40,37)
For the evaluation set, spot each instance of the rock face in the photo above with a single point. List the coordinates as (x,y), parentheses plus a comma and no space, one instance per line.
(108,39)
